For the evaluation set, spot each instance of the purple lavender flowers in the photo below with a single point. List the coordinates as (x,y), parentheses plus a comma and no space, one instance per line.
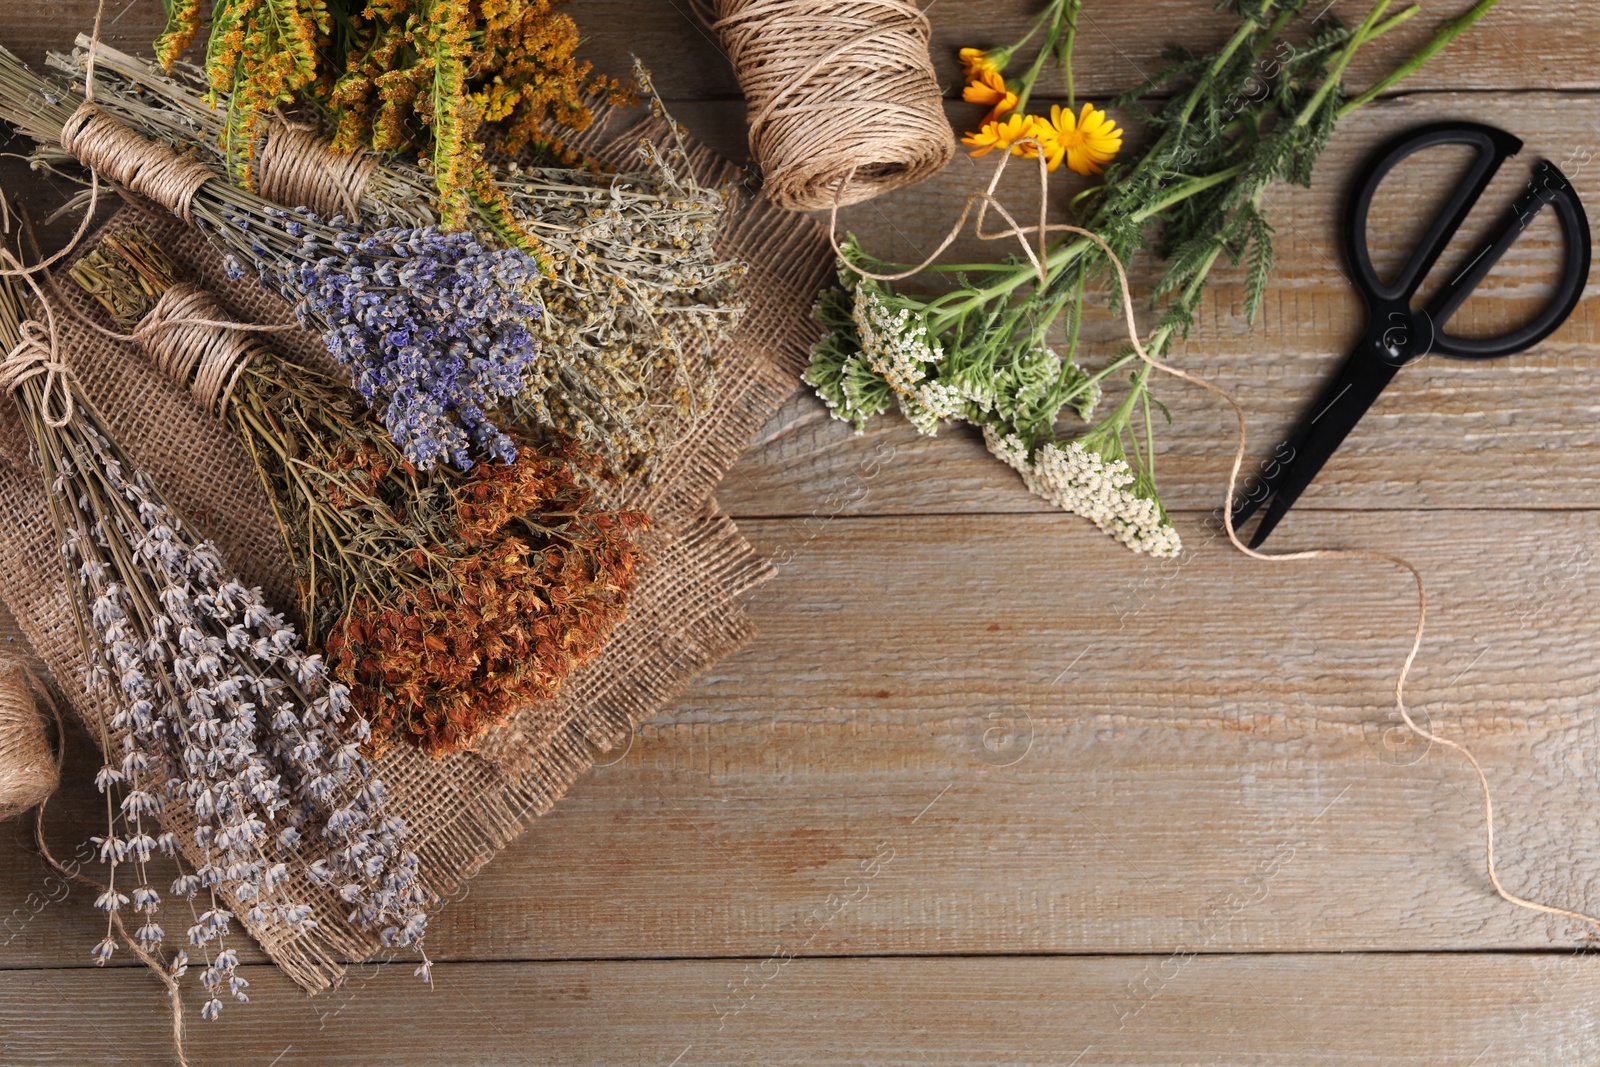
(436,329)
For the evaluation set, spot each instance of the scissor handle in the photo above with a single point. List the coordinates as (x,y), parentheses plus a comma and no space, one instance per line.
(1549,186)
(1493,146)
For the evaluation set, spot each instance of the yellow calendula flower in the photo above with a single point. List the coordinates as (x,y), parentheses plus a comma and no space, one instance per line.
(977,62)
(1004,135)
(989,90)
(1087,142)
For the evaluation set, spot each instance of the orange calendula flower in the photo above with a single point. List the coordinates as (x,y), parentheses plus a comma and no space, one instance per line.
(1004,135)
(977,62)
(989,90)
(1087,142)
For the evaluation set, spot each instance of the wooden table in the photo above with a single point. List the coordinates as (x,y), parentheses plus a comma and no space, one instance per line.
(990,789)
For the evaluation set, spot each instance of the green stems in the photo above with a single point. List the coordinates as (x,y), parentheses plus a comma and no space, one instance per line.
(1063,16)
(1331,82)
(1441,38)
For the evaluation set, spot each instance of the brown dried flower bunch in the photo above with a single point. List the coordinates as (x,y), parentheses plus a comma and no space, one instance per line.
(401,76)
(446,600)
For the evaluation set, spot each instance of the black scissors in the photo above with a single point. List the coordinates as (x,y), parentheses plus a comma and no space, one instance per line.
(1396,334)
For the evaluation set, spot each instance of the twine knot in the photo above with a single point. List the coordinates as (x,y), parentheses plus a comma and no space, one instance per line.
(844,103)
(33,355)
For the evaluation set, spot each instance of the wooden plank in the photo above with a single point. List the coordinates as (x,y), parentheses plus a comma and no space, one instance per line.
(1519,46)
(1065,748)
(1166,1011)
(1503,433)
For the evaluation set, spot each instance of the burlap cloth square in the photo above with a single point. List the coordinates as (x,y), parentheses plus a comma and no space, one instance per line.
(684,615)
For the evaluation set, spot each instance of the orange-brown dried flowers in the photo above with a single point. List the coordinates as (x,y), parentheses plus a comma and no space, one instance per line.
(446,600)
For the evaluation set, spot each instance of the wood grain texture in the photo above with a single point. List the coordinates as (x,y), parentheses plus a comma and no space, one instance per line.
(1165,1011)
(1016,775)
(1064,749)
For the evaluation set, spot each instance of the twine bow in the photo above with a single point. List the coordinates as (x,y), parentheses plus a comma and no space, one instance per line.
(35,354)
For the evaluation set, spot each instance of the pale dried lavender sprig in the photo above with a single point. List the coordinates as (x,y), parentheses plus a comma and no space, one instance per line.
(435,329)
(637,295)
(192,662)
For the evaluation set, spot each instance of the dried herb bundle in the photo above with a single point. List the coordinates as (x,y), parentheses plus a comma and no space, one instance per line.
(445,600)
(636,297)
(398,76)
(436,329)
(220,714)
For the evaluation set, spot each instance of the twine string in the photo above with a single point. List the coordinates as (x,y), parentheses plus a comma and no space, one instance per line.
(32,356)
(843,103)
(17,270)
(28,771)
(295,165)
(987,199)
(188,336)
(132,160)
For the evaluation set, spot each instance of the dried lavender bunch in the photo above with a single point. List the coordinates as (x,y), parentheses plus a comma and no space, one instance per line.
(222,720)
(636,296)
(436,329)
(446,600)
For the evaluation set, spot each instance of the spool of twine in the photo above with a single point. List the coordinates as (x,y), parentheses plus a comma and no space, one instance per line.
(296,166)
(27,765)
(843,100)
(185,336)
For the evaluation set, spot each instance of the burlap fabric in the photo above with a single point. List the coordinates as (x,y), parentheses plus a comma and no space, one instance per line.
(684,614)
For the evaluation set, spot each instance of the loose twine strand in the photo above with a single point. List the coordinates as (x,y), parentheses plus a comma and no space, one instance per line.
(987,199)
(17,269)
(844,103)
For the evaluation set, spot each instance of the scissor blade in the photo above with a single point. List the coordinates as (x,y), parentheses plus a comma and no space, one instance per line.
(1342,404)
(1293,448)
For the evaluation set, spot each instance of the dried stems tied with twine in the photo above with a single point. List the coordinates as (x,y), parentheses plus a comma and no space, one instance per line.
(436,330)
(222,722)
(446,600)
(636,296)
(398,76)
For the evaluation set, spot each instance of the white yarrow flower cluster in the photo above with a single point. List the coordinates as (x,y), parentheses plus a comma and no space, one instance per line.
(1086,483)
(219,711)
(899,348)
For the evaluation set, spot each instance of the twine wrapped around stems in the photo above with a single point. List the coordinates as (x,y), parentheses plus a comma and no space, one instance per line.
(843,100)
(28,772)
(295,166)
